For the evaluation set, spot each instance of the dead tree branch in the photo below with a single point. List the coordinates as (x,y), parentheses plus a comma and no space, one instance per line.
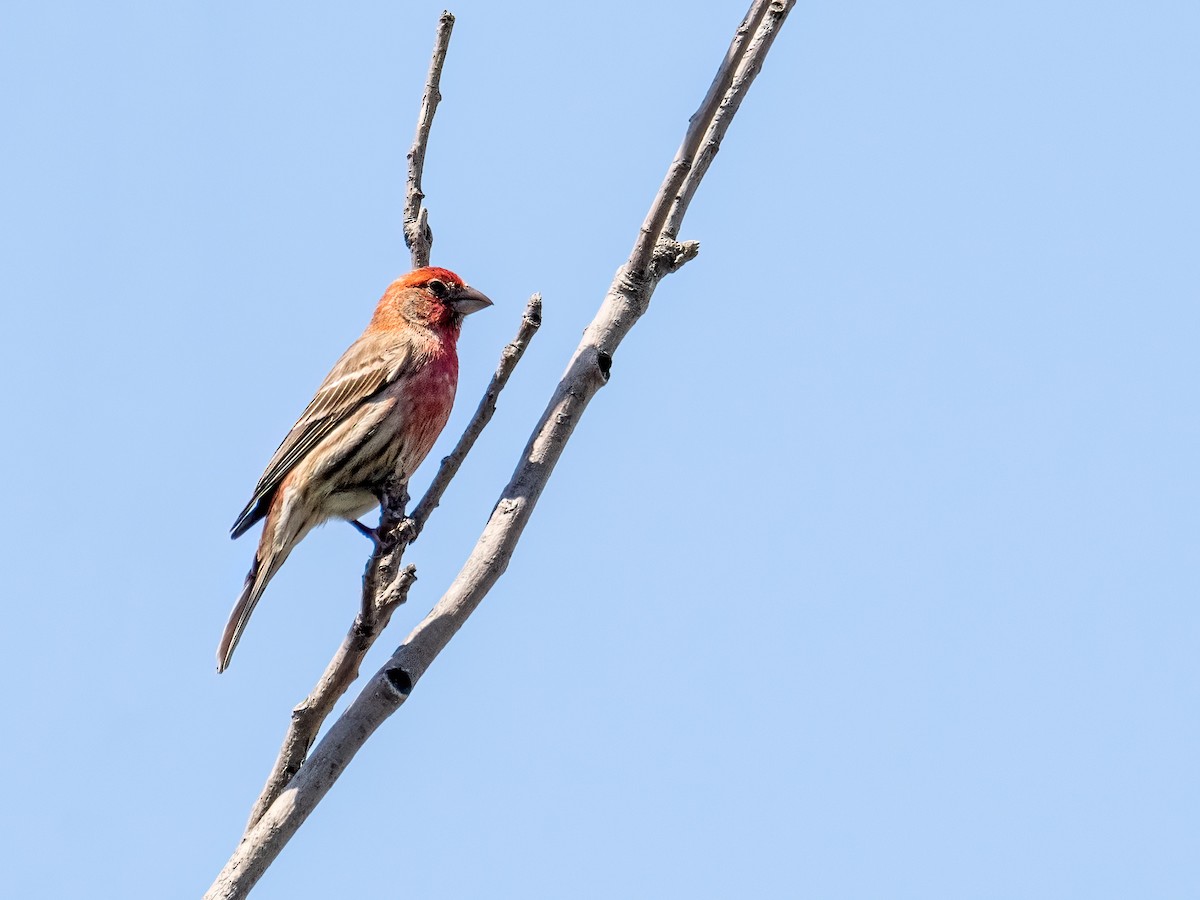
(417,234)
(655,254)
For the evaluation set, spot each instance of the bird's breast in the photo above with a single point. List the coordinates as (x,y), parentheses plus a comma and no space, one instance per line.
(423,401)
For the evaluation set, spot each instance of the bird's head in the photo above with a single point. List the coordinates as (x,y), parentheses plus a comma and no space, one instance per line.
(431,297)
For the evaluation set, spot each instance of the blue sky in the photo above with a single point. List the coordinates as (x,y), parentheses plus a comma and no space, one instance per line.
(872,573)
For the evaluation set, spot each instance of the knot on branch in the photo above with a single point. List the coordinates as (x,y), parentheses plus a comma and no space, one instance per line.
(418,235)
(671,256)
(408,530)
(395,592)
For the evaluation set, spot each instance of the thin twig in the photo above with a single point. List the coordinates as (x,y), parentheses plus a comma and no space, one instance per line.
(384,564)
(653,228)
(531,320)
(590,367)
(417,234)
(752,61)
(385,583)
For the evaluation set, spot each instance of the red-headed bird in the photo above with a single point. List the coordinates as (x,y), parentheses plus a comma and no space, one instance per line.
(377,413)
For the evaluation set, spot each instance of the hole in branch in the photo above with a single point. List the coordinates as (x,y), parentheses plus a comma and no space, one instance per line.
(399,679)
(604,361)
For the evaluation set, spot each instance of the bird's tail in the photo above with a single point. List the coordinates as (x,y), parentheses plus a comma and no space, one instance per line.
(239,616)
(266,564)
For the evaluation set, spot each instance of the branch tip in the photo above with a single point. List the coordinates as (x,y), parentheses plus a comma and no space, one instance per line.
(533,312)
(418,237)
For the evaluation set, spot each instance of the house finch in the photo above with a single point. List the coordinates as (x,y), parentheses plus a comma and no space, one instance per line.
(376,414)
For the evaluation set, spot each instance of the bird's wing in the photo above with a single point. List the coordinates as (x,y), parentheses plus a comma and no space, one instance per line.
(364,369)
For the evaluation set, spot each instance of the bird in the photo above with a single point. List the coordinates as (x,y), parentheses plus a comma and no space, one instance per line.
(376,414)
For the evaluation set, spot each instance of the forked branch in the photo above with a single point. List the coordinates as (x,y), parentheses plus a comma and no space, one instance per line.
(655,254)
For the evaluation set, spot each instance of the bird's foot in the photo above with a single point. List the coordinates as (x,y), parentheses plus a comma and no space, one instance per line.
(370,533)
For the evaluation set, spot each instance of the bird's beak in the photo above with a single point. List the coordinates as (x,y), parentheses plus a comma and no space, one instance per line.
(468,300)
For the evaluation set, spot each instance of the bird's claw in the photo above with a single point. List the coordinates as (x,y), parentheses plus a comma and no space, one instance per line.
(365,530)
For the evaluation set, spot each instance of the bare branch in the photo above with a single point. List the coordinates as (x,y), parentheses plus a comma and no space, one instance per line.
(385,583)
(531,320)
(417,234)
(654,255)
(698,126)
(751,64)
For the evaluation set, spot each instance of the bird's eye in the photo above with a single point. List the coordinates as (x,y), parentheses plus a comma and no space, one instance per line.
(438,288)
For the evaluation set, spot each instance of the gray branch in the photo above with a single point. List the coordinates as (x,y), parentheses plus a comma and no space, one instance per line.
(655,254)
(417,234)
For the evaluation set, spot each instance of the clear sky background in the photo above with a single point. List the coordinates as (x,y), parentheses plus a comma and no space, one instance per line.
(873,572)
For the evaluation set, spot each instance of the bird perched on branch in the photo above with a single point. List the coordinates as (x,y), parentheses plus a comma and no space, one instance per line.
(376,414)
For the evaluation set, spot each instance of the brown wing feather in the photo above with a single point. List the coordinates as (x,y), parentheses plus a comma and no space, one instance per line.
(363,371)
